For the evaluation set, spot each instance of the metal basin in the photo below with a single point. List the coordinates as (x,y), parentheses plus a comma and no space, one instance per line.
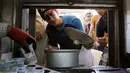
(62,58)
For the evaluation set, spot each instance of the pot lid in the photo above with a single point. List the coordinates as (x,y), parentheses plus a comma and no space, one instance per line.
(77,35)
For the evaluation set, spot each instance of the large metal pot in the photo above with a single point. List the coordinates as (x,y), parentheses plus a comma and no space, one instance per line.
(66,58)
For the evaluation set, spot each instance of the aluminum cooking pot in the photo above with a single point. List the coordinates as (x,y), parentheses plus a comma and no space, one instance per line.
(66,58)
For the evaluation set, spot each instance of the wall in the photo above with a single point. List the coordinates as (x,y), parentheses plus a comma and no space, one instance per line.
(6,13)
(128,26)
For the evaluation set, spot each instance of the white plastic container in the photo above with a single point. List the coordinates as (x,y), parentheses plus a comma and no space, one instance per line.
(30,68)
(19,60)
(39,70)
(21,70)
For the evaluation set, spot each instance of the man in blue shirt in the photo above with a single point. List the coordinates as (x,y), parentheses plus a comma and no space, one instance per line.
(55,28)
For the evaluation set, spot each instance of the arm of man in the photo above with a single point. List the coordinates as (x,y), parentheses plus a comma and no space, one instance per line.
(51,42)
(18,35)
(92,26)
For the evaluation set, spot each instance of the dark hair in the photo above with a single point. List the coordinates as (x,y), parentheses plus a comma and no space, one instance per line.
(41,12)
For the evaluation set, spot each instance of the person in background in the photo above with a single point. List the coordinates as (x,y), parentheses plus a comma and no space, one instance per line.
(87,21)
(55,29)
(98,25)
(102,36)
(41,38)
(98,30)
(92,31)
(17,35)
(40,27)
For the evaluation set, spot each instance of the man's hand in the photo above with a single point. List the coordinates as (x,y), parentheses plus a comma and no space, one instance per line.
(89,46)
(21,37)
(39,35)
(52,47)
(102,43)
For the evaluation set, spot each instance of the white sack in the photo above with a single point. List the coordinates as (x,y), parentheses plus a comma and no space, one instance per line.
(86,57)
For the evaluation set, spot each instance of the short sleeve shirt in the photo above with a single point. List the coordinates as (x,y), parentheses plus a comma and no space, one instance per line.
(60,37)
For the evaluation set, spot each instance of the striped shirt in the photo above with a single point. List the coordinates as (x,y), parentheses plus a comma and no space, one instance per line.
(3,29)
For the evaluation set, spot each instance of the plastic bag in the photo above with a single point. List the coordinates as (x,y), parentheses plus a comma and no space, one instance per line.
(86,57)
(30,57)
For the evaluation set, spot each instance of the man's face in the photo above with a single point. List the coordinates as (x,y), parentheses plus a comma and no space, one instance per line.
(88,16)
(51,16)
